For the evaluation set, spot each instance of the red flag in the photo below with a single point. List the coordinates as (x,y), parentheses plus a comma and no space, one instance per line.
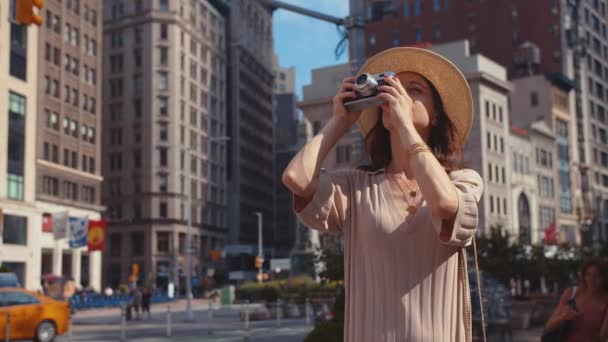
(550,234)
(47,223)
(97,235)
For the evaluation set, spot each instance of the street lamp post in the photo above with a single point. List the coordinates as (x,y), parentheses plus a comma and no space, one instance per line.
(260,252)
(189,249)
(189,314)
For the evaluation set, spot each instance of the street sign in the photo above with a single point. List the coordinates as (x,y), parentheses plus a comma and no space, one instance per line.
(171,291)
(284,264)
(236,275)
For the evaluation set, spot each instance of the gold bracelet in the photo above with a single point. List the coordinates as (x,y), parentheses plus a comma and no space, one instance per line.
(415,149)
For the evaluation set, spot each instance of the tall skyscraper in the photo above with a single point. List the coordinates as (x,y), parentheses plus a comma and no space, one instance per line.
(250,122)
(68,148)
(164,127)
(285,147)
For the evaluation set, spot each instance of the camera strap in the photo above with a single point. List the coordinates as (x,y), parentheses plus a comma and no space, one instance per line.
(466,293)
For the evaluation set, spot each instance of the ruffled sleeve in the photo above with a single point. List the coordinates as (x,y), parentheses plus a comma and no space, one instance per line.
(469,187)
(327,209)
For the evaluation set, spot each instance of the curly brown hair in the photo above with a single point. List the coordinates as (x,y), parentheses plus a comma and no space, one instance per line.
(443,141)
(600,265)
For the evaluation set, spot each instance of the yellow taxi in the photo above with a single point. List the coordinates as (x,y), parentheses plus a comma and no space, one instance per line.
(32,315)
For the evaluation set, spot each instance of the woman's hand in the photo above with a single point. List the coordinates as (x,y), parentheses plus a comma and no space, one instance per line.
(397,109)
(346,91)
(566,313)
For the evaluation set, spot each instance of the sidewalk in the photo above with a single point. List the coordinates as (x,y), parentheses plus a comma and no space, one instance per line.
(112,315)
(528,335)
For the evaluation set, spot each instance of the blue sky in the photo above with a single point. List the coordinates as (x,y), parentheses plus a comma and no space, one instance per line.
(308,43)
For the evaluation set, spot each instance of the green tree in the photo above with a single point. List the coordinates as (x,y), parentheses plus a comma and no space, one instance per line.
(331,256)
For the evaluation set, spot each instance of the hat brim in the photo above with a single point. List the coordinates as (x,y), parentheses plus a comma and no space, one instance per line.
(449,81)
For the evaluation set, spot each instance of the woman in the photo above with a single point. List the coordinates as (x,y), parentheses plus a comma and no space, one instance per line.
(584,307)
(407,215)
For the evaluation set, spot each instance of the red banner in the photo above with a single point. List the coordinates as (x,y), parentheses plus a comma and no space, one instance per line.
(47,223)
(97,235)
(551,234)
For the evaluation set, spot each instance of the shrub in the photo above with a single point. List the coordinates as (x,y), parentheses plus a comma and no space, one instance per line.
(330,331)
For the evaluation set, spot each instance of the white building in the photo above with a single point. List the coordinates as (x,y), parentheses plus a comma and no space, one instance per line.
(487,148)
(23,243)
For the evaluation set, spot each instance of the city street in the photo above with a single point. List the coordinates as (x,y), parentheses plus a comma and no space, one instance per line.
(104,325)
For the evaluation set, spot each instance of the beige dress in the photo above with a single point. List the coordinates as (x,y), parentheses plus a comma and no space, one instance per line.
(402,281)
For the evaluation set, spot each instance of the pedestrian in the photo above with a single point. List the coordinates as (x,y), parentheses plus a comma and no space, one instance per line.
(407,216)
(108,291)
(137,301)
(580,315)
(145,301)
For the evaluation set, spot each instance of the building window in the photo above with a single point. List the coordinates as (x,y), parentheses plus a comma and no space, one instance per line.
(70,190)
(490,171)
(162,153)
(163,182)
(417,7)
(18,55)
(115,245)
(50,186)
(16,146)
(74,160)
(138,240)
(163,132)
(163,53)
(66,157)
(163,80)
(436,5)
(88,194)
(418,35)
(137,34)
(55,154)
(116,63)
(137,57)
(164,32)
(162,212)
(15,230)
(491,204)
(15,187)
(162,242)
(436,32)
(162,105)
(163,5)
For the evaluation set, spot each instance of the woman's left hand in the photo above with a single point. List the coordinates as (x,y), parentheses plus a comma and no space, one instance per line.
(397,108)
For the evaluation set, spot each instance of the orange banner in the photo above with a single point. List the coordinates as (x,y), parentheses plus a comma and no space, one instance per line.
(97,235)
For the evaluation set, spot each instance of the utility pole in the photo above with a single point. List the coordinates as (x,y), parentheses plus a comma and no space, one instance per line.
(354,24)
(260,251)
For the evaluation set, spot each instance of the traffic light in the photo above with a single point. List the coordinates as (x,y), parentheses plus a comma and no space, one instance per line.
(215,255)
(135,269)
(258,262)
(24,11)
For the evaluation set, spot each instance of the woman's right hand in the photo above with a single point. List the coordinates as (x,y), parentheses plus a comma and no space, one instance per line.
(346,91)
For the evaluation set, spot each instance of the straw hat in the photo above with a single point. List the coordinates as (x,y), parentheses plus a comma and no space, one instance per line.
(444,75)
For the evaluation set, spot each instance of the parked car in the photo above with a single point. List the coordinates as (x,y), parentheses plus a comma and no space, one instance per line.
(32,315)
(292,310)
(323,313)
(8,279)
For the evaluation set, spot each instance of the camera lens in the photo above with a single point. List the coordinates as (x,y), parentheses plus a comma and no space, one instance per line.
(361,79)
(366,85)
